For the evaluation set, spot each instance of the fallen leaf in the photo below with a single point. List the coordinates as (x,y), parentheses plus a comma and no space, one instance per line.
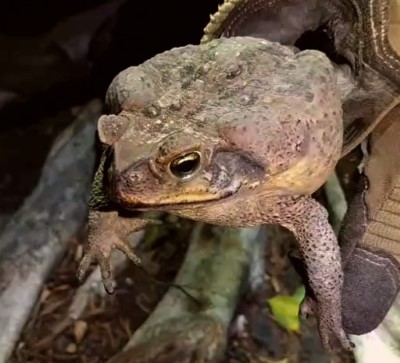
(299,294)
(80,329)
(285,309)
(71,348)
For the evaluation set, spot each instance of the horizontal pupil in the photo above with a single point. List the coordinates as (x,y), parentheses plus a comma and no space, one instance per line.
(185,166)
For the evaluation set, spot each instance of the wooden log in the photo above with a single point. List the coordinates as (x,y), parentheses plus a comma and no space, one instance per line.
(36,237)
(213,272)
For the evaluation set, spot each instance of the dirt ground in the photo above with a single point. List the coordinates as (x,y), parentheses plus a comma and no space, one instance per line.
(108,322)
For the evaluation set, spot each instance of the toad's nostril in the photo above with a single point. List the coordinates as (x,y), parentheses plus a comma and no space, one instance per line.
(134,176)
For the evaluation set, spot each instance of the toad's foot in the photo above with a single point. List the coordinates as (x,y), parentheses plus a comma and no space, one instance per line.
(108,231)
(99,251)
(328,315)
(329,321)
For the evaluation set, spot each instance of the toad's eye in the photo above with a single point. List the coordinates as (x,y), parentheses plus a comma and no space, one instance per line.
(185,166)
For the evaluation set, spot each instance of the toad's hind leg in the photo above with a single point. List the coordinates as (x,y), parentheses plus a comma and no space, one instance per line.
(319,249)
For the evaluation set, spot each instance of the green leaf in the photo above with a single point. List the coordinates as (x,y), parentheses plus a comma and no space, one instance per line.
(299,294)
(285,360)
(285,309)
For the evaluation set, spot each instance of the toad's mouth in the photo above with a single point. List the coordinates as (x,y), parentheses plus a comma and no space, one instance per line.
(178,201)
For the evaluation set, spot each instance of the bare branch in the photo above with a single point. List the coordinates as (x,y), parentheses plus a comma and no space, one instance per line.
(36,237)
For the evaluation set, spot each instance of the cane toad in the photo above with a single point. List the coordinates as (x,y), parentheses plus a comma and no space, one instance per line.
(236,132)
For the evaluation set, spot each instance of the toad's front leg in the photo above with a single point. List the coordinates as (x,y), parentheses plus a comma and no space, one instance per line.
(107,231)
(319,248)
